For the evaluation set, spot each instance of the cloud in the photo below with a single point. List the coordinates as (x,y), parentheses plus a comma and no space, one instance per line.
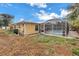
(39,5)
(6,5)
(42,15)
(21,19)
(64,13)
(49,8)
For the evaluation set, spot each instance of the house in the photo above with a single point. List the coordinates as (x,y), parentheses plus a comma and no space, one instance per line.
(27,27)
(55,27)
(52,26)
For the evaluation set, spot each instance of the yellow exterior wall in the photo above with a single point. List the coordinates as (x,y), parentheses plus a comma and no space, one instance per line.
(30,28)
(27,28)
(21,27)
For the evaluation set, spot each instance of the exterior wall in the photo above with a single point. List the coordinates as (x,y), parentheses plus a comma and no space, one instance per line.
(10,27)
(42,28)
(27,28)
(21,28)
(30,28)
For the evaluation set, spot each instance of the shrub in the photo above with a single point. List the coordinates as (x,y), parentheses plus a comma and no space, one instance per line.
(73,43)
(76,51)
(8,32)
(15,31)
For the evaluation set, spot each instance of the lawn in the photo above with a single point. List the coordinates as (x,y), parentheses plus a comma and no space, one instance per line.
(37,45)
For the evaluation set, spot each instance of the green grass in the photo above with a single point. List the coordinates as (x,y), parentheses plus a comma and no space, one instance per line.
(51,39)
(70,43)
(42,43)
(76,51)
(9,32)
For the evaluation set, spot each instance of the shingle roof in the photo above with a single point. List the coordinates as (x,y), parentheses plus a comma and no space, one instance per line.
(24,22)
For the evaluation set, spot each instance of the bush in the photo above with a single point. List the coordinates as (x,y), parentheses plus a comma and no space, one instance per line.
(76,51)
(8,32)
(73,43)
(15,31)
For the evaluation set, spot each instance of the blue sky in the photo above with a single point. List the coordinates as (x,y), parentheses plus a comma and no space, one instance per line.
(36,12)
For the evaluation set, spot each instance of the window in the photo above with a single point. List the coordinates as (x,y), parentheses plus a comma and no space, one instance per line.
(58,27)
(36,27)
(48,27)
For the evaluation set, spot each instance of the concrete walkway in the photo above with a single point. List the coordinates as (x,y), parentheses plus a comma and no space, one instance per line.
(69,37)
(73,34)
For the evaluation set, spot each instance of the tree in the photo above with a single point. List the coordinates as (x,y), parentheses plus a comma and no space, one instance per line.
(5,19)
(75,11)
(74,16)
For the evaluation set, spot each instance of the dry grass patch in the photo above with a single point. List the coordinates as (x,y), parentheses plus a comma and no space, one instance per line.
(35,45)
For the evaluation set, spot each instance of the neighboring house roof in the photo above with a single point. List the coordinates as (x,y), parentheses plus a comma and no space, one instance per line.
(6,15)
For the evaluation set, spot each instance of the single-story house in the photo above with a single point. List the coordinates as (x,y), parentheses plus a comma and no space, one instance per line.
(27,27)
(52,26)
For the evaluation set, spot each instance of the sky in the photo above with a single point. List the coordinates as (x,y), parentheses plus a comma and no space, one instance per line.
(35,12)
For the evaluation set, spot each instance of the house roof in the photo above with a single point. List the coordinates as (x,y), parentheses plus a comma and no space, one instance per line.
(24,22)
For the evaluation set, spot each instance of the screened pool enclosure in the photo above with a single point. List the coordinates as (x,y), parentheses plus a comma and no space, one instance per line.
(55,27)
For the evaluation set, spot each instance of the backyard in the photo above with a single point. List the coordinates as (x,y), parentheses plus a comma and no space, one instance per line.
(37,45)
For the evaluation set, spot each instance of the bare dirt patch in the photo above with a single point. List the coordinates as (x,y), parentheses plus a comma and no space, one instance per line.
(62,50)
(36,45)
